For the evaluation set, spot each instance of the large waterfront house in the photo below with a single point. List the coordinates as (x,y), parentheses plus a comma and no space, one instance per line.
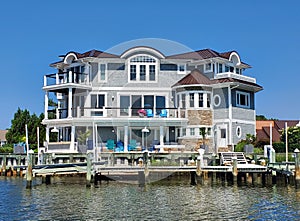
(145,99)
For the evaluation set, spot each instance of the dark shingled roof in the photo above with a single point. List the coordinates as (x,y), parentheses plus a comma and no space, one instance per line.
(196,77)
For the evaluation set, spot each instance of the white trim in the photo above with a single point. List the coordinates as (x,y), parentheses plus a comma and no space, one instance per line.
(211,67)
(67,56)
(214,101)
(238,93)
(143,49)
(147,69)
(238,58)
(99,72)
(178,68)
(217,121)
(236,131)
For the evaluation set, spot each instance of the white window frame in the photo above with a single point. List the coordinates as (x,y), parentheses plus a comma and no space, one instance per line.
(238,128)
(147,64)
(238,98)
(178,68)
(99,72)
(206,70)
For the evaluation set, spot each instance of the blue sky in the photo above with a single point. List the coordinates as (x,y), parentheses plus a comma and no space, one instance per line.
(265,33)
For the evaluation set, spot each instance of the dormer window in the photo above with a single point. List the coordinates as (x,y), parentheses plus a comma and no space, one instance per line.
(208,67)
(181,68)
(142,68)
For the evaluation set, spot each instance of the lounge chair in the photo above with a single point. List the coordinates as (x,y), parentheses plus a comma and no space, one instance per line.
(149,113)
(132,145)
(110,145)
(163,113)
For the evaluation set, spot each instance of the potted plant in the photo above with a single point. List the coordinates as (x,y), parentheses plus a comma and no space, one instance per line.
(82,140)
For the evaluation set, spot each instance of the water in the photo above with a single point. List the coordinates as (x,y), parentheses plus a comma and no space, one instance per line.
(68,199)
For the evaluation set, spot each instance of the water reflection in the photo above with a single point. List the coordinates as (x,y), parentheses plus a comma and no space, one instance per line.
(68,199)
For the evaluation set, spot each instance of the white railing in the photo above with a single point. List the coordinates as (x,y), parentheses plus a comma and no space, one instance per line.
(235,76)
(66,77)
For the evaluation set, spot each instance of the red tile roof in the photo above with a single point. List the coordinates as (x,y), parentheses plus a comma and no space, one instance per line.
(263,133)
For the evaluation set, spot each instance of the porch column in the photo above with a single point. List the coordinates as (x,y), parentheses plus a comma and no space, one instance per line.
(47,134)
(70,103)
(161,135)
(46,105)
(72,139)
(125,138)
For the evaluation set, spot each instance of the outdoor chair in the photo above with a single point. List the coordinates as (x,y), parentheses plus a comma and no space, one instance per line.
(163,113)
(110,145)
(149,113)
(132,145)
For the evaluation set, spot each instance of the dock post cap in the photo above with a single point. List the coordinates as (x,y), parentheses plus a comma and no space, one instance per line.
(296,150)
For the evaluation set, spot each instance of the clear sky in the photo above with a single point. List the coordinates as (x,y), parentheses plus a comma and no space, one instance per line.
(265,33)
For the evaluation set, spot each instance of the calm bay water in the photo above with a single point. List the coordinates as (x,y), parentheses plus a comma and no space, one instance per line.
(68,199)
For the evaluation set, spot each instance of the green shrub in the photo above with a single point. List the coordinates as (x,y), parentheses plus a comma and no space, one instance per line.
(7,148)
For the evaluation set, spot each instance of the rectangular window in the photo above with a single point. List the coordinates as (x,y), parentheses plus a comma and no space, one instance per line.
(136,104)
(200,104)
(183,132)
(226,68)
(181,68)
(209,131)
(208,67)
(220,68)
(192,131)
(97,101)
(192,99)
(151,72)
(102,72)
(242,99)
(133,72)
(124,105)
(208,101)
(183,100)
(142,72)
(237,70)
(223,134)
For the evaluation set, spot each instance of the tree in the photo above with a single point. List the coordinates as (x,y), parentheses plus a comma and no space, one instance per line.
(17,132)
(293,138)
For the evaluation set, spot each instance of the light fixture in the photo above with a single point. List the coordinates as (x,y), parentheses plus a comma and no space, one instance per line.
(55,130)
(145,130)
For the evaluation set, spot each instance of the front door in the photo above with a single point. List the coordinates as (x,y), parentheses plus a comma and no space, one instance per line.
(222,136)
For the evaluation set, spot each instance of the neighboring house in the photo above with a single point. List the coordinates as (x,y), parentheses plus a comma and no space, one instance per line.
(180,96)
(3,140)
(264,128)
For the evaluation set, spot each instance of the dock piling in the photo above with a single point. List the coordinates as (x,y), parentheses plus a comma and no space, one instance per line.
(88,169)
(234,169)
(297,168)
(29,171)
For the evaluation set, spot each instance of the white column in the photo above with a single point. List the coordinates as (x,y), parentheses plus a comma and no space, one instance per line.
(161,135)
(46,105)
(73,138)
(230,116)
(70,77)
(168,134)
(45,80)
(70,103)
(125,138)
(57,78)
(47,134)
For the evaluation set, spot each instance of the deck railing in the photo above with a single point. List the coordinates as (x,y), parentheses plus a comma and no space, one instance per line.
(117,112)
(65,78)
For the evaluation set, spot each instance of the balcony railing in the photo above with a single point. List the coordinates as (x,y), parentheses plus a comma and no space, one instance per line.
(117,112)
(65,78)
(235,76)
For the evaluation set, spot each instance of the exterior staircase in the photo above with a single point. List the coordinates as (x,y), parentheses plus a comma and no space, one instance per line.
(226,158)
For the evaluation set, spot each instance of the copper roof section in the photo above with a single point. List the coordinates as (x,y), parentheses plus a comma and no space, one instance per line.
(194,77)
(197,77)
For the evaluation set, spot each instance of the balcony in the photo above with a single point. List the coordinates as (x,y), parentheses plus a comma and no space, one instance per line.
(116,112)
(60,80)
(235,76)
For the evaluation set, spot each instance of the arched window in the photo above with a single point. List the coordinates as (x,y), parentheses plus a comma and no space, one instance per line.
(142,68)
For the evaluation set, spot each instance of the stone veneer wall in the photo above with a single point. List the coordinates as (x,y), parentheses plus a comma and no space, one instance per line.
(194,143)
(199,117)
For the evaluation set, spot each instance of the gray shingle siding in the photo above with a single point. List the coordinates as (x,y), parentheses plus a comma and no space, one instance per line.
(243,114)
(245,129)
(223,93)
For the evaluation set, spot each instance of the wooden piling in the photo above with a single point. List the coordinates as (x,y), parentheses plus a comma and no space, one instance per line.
(3,169)
(234,169)
(88,170)
(29,172)
(193,178)
(297,168)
